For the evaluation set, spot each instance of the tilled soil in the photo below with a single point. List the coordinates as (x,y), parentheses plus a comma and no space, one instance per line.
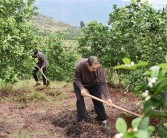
(83,129)
(57,119)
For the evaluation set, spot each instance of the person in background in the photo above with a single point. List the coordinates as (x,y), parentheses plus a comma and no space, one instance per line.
(40,65)
(89,75)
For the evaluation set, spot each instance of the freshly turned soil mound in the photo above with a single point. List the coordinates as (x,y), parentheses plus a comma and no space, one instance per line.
(90,129)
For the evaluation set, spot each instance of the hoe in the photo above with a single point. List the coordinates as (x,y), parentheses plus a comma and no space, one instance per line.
(47,81)
(113,105)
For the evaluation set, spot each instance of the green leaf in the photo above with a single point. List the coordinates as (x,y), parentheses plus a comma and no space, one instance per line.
(121,125)
(140,87)
(147,107)
(144,123)
(153,102)
(119,67)
(161,84)
(166,58)
(164,99)
(162,73)
(165,125)
(163,65)
(131,67)
(126,61)
(135,122)
(157,114)
(142,63)
(162,131)
(129,135)
(151,129)
(142,134)
(126,67)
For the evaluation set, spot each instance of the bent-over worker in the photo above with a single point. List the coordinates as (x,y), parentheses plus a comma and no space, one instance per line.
(89,75)
(40,65)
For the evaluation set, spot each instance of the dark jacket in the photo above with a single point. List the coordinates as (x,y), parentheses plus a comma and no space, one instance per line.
(84,78)
(42,61)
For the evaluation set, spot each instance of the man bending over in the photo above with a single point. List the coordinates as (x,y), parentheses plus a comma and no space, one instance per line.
(40,65)
(89,75)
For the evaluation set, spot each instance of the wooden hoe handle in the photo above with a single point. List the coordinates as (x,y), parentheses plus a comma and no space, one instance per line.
(113,105)
(43,74)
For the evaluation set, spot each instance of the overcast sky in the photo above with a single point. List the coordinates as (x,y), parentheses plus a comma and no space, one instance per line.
(73,11)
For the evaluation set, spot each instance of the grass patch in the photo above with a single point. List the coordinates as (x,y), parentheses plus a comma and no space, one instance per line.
(25,85)
(6,90)
(40,133)
(20,134)
(37,97)
(24,92)
(61,96)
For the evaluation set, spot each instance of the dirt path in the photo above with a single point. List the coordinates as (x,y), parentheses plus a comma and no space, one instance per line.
(57,119)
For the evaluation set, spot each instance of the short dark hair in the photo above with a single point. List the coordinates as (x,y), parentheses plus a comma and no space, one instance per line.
(93,60)
(35,51)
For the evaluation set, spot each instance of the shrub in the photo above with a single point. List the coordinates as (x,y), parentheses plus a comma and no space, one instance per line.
(153,90)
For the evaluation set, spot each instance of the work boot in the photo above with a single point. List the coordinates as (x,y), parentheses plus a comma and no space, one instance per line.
(106,127)
(104,123)
(37,83)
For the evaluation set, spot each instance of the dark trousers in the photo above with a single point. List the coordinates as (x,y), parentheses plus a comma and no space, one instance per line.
(35,75)
(98,106)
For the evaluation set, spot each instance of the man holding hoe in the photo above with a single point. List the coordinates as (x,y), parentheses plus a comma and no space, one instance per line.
(40,66)
(89,76)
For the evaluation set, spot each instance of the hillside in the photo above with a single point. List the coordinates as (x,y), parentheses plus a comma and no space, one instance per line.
(48,24)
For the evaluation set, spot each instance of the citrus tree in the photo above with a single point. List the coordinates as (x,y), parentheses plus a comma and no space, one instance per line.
(95,41)
(17,39)
(137,31)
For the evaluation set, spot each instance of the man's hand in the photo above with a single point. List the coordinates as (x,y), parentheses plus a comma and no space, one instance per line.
(37,66)
(84,92)
(110,102)
(41,70)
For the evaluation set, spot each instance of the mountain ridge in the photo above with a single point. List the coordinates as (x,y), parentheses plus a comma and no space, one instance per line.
(48,24)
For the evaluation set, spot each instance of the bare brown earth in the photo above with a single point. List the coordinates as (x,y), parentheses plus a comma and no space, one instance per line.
(56,118)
